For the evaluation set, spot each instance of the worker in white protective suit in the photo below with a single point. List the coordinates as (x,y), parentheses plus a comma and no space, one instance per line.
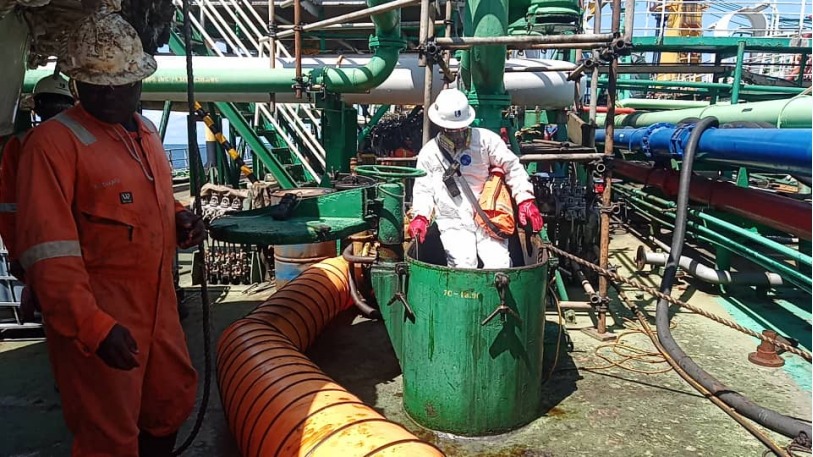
(477,150)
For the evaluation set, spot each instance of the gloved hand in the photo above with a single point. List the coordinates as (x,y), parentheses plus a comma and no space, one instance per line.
(118,349)
(190,229)
(418,227)
(529,213)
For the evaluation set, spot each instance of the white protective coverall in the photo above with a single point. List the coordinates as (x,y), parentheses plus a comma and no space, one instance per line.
(463,240)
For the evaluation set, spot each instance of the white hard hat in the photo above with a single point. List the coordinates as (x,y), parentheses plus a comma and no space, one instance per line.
(451,110)
(54,84)
(106,50)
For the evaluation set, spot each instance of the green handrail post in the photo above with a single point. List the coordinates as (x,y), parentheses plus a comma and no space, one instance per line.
(379,113)
(162,127)
(735,89)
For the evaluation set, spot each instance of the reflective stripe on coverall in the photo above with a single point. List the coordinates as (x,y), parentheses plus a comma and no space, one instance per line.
(459,232)
(97,240)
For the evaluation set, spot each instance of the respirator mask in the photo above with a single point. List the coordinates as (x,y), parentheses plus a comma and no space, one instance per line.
(458,137)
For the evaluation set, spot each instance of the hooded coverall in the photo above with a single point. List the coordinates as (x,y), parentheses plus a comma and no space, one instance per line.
(463,240)
(96,241)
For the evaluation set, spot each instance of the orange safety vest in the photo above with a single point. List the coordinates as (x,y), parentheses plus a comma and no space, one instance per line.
(496,202)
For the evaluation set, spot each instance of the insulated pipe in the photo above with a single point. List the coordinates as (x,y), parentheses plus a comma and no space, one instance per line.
(706,273)
(776,150)
(249,80)
(277,402)
(772,210)
(784,113)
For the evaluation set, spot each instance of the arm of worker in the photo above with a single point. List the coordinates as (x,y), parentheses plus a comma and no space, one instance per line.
(50,253)
(517,180)
(423,195)
(190,228)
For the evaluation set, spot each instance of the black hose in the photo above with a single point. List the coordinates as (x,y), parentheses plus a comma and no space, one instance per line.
(785,425)
(367,310)
(193,159)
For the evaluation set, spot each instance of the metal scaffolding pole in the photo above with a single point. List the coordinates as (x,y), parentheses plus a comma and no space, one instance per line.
(424,34)
(350,17)
(606,196)
(521,42)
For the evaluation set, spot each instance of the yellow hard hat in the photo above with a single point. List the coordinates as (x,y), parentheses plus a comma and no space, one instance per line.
(54,84)
(106,50)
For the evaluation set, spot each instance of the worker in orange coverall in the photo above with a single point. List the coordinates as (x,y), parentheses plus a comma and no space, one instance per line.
(96,238)
(51,97)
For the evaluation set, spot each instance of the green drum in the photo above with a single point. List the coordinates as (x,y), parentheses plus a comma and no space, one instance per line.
(461,375)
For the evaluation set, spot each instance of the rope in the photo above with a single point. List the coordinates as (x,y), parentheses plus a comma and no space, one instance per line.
(739,418)
(652,291)
(629,354)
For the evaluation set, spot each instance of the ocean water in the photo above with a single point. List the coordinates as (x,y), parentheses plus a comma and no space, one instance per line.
(178,156)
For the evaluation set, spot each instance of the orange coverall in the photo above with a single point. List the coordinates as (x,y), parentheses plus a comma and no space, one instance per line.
(8,193)
(96,237)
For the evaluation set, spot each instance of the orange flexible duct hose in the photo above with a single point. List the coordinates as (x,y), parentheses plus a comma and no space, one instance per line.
(279,403)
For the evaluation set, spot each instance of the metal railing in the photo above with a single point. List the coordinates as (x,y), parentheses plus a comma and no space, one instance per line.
(243,16)
(751,18)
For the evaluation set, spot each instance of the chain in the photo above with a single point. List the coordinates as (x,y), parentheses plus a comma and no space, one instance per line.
(652,291)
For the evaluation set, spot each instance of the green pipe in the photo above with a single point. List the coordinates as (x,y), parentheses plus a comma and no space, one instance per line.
(780,248)
(784,113)
(706,234)
(735,88)
(660,104)
(379,113)
(387,44)
(703,85)
(487,18)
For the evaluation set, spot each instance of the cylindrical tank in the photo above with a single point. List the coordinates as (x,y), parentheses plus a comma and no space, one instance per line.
(462,376)
(290,260)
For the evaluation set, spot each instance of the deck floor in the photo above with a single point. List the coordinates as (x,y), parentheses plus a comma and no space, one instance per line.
(587,411)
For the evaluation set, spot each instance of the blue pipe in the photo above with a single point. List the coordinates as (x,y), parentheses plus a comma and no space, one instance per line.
(775,150)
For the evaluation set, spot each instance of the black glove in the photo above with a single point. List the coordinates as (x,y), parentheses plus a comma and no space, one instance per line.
(118,349)
(190,229)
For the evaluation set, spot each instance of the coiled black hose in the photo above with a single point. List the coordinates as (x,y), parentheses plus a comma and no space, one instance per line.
(785,425)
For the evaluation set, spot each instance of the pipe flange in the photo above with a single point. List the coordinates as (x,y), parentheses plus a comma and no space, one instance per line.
(646,148)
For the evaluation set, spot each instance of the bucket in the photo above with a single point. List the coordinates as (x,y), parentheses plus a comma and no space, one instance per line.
(462,376)
(290,260)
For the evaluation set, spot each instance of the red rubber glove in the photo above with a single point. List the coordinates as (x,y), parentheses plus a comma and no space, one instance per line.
(418,227)
(529,213)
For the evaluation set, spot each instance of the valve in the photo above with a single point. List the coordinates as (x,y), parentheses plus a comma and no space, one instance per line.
(387,172)
(402,272)
(501,281)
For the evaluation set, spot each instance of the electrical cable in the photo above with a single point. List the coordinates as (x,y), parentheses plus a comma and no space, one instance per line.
(193,153)
(766,417)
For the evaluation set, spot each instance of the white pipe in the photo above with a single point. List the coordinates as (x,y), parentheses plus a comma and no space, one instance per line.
(707,273)
(547,90)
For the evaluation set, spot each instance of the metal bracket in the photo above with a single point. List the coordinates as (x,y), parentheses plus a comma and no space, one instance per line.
(402,271)
(501,282)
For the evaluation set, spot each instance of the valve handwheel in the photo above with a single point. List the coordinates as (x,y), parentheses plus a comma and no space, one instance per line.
(389,172)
